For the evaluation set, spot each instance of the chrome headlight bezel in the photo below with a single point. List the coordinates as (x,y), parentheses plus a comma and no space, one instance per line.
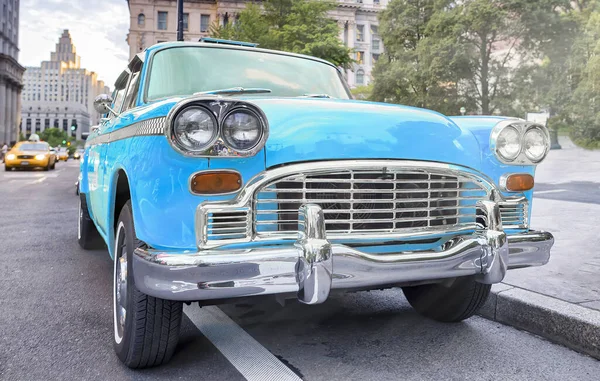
(243,109)
(522,127)
(220,108)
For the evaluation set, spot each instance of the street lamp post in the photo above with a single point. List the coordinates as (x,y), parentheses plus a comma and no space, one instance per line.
(179,20)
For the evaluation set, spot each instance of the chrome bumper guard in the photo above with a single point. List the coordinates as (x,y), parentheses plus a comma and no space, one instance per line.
(312,266)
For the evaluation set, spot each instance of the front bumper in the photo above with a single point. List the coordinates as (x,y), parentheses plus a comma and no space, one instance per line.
(312,266)
(31,163)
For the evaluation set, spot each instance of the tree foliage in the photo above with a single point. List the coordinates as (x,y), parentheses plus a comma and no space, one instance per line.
(444,54)
(55,137)
(298,26)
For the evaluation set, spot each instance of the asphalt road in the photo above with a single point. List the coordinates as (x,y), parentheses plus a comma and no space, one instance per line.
(56,323)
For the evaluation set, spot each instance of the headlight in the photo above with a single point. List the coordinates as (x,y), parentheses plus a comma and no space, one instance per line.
(516,141)
(40,157)
(242,130)
(195,129)
(11,156)
(535,144)
(508,144)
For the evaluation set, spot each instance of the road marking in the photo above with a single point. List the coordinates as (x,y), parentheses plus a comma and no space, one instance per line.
(549,191)
(246,354)
(41,179)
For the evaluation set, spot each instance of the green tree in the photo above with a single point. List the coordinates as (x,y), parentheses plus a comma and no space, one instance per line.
(446,54)
(55,137)
(418,68)
(298,26)
(584,109)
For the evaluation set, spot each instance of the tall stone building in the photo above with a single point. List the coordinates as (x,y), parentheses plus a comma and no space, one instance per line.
(59,88)
(11,72)
(154,21)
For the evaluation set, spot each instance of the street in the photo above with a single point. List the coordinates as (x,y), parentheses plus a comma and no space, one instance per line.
(56,318)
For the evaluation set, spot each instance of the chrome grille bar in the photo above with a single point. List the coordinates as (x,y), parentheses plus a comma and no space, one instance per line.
(355,201)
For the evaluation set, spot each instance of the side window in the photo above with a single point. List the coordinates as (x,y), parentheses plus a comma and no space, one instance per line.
(118,97)
(132,91)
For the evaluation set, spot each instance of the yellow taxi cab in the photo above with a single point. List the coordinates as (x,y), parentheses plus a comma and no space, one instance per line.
(30,154)
(62,154)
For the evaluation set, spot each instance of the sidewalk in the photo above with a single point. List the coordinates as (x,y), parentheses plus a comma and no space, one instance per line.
(561,300)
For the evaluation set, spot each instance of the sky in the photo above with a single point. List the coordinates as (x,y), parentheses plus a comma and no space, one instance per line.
(98,29)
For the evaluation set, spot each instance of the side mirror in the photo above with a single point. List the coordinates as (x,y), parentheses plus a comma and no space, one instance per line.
(102,104)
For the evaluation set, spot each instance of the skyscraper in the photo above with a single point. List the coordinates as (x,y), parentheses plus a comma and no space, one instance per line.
(60,93)
(11,73)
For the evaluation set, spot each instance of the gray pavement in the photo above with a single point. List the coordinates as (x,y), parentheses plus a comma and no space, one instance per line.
(55,319)
(567,204)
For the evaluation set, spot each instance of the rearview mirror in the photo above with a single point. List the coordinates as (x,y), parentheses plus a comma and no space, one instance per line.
(102,104)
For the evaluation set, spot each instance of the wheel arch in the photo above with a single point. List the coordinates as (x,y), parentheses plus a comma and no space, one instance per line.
(120,192)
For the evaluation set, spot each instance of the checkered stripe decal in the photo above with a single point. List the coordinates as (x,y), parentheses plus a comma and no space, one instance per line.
(154,126)
(149,127)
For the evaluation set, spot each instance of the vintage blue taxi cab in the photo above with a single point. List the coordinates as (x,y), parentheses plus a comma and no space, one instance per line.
(224,171)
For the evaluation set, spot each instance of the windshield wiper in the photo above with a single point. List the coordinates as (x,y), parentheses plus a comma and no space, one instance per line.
(236,90)
(317,96)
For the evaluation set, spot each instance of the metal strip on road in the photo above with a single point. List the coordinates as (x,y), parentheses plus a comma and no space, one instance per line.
(246,354)
(549,191)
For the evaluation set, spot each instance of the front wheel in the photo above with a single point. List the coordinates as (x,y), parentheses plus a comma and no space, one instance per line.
(146,329)
(454,303)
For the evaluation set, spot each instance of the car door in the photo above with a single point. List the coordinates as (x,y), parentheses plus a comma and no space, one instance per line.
(98,161)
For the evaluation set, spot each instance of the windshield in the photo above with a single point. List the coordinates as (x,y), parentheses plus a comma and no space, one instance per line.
(188,70)
(33,147)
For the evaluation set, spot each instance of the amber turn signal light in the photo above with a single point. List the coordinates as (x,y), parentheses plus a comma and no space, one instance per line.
(518,182)
(215,182)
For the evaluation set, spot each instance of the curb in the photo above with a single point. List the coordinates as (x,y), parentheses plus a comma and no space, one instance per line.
(565,323)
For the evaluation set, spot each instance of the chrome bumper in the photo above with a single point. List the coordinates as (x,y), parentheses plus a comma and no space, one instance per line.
(312,266)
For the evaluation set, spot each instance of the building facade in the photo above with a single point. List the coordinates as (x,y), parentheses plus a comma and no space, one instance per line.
(154,21)
(58,84)
(11,72)
(39,115)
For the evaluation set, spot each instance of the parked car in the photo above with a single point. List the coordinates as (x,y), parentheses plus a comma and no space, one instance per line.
(63,154)
(30,154)
(226,171)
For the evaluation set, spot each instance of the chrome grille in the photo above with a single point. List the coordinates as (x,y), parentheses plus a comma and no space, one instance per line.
(358,201)
(230,225)
(514,215)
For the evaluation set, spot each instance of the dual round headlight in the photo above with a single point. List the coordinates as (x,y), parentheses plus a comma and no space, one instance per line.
(196,129)
(520,142)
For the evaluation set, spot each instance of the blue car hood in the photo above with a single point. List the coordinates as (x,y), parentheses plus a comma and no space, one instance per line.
(304,129)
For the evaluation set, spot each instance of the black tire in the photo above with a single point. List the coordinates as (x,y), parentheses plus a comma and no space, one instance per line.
(53,164)
(6,168)
(87,234)
(150,331)
(47,168)
(439,302)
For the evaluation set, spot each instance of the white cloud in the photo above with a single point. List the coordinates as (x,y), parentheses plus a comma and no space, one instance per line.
(98,29)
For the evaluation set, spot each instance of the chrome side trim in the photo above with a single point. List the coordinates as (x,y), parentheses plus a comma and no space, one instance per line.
(148,127)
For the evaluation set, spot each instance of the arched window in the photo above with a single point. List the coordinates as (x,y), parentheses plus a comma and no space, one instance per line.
(141,19)
(360,77)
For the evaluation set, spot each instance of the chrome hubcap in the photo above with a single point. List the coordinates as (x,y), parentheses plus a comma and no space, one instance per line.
(120,283)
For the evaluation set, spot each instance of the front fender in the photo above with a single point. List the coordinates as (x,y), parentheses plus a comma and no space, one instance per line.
(162,204)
